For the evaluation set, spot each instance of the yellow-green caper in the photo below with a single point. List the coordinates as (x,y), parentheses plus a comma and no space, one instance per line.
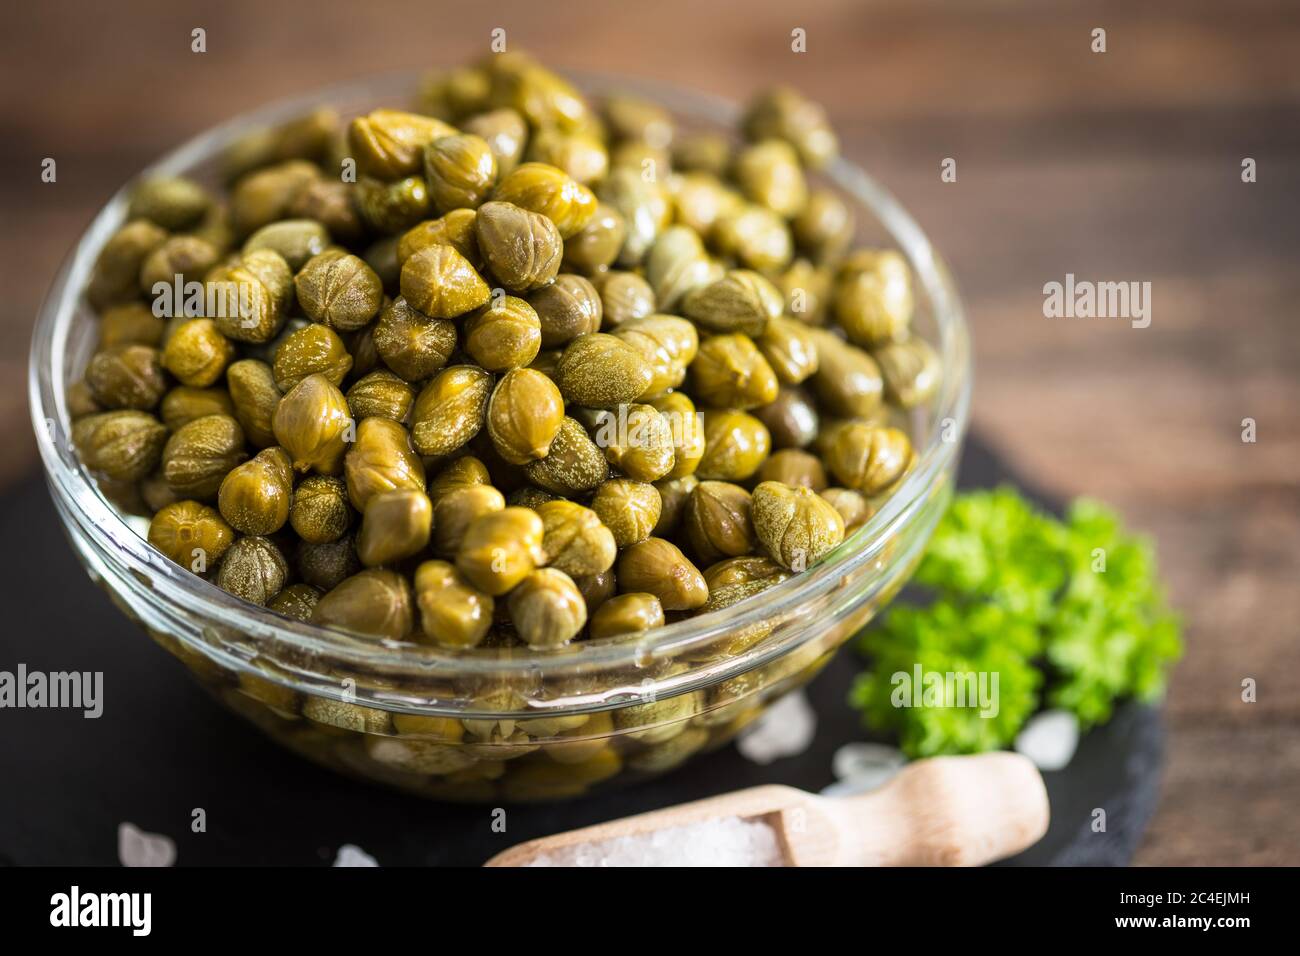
(329,203)
(730,372)
(573,465)
(550,192)
(785,114)
(504,334)
(638,441)
(745,569)
(523,415)
(868,458)
(265,195)
(522,248)
(396,525)
(461,170)
(381,394)
(381,459)
(873,297)
(547,608)
(597,244)
(373,602)
(253,569)
(598,370)
(756,236)
(796,525)
(735,445)
(790,349)
(450,410)
(411,343)
(645,206)
(127,376)
(296,601)
(339,289)
(575,540)
(627,614)
(254,496)
(441,283)
(717,520)
(247,298)
(115,277)
(173,202)
(131,324)
(668,343)
(567,308)
(320,511)
(392,207)
(452,612)
(769,173)
(852,506)
(186,256)
(390,143)
(687,427)
(124,445)
(311,350)
(197,353)
(630,509)
(456,509)
(184,404)
(456,229)
(329,563)
(677,264)
(658,567)
(296,240)
(910,371)
(824,227)
(505,132)
(313,424)
(794,467)
(193,535)
(847,380)
(624,296)
(199,455)
(499,549)
(741,301)
(255,396)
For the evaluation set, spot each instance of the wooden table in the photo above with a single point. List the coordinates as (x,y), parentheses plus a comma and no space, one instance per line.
(1115,166)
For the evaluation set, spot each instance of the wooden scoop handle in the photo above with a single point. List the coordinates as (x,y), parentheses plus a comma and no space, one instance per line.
(946,811)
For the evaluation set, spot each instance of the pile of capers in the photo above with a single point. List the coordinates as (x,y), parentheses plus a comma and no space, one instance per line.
(506,369)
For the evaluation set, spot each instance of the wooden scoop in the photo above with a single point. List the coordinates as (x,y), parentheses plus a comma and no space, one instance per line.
(944,811)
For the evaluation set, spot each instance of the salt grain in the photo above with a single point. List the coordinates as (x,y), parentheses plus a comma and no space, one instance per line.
(1049,739)
(786,729)
(726,841)
(352,855)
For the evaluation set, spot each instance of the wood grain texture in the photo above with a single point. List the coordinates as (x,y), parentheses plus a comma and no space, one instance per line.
(1119,166)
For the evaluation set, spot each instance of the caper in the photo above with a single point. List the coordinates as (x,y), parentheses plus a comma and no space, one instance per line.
(796,525)
(127,376)
(339,289)
(391,143)
(296,601)
(638,441)
(786,114)
(730,372)
(191,534)
(308,136)
(329,203)
(500,549)
(131,324)
(459,472)
(746,569)
(910,370)
(81,402)
(573,465)
(312,423)
(624,296)
(173,202)
(824,227)
(381,394)
(296,240)
(705,152)
(530,497)
(115,277)
(199,455)
(392,207)
(601,371)
(524,415)
(735,445)
(327,564)
(311,350)
(717,520)
(795,468)
(253,569)
(673,495)
(756,236)
(547,608)
(455,229)
(627,614)
(567,308)
(254,496)
(741,301)
(247,299)
(255,396)
(410,343)
(506,134)
(769,173)
(320,512)
(847,380)
(575,540)
(790,349)
(504,334)
(186,256)
(450,410)
(124,445)
(658,567)
(452,612)
(597,244)
(852,506)
(522,248)
(456,509)
(381,459)
(381,255)
(669,344)
(185,403)
(461,171)
(550,192)
(373,602)
(873,297)
(868,458)
(676,265)
(807,291)
(687,427)
(440,282)
(264,196)
(630,509)
(644,205)
(396,525)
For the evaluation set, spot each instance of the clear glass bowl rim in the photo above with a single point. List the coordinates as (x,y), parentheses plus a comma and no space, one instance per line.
(76,492)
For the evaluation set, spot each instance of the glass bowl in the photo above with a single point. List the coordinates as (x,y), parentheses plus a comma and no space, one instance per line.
(500,725)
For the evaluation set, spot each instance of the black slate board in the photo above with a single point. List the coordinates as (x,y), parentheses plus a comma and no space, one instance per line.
(163,748)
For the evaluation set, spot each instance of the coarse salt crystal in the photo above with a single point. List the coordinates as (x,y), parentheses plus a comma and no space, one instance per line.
(786,729)
(725,841)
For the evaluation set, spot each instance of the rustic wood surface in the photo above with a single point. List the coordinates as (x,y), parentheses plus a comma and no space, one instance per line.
(1116,166)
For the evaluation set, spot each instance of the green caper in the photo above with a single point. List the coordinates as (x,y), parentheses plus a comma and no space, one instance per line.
(741,301)
(412,344)
(199,455)
(550,192)
(373,602)
(313,424)
(296,601)
(673,495)
(127,376)
(547,608)
(847,380)
(500,549)
(81,402)
(658,567)
(796,525)
(185,403)
(381,255)
(327,564)
(253,569)
(450,410)
(381,394)
(339,289)
(769,173)
(567,308)
(705,152)
(504,334)
(506,134)
(186,256)
(795,468)
(601,371)
(644,205)
(441,283)
(392,207)
(785,114)
(575,540)
(868,458)
(676,265)
(522,248)
(597,244)
(873,297)
(255,396)
(756,236)
(627,614)
(391,143)
(452,612)
(524,415)
(630,509)
(124,445)
(790,349)
(824,227)
(264,196)
(247,298)
(807,291)
(910,371)
(573,465)
(311,350)
(396,524)
(717,520)
(254,496)
(459,472)
(461,170)
(730,372)
(456,509)
(735,445)
(296,240)
(173,202)
(115,277)
(638,441)
(530,497)
(381,459)
(131,324)
(456,229)
(191,534)
(687,427)
(852,506)
(746,569)
(320,512)
(669,344)
(329,203)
